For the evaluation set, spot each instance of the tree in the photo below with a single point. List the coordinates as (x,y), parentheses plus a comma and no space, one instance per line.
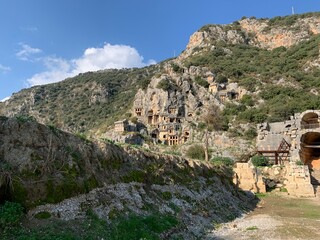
(214,122)
(221,79)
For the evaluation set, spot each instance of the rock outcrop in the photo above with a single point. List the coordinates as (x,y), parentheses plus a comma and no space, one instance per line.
(262,33)
(41,165)
(271,36)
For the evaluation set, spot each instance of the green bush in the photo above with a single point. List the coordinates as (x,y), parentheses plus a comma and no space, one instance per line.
(218,160)
(259,161)
(247,100)
(176,68)
(25,118)
(10,214)
(221,79)
(166,195)
(196,152)
(135,176)
(202,82)
(250,134)
(164,84)
(249,83)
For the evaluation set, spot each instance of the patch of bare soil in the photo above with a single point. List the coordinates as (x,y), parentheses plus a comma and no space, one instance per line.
(277,217)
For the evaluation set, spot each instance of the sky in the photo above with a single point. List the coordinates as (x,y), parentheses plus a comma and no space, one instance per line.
(45,41)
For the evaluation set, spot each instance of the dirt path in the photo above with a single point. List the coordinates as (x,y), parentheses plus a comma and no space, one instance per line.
(277,217)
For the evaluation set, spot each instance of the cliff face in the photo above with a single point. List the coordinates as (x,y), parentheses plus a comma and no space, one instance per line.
(269,36)
(262,33)
(180,98)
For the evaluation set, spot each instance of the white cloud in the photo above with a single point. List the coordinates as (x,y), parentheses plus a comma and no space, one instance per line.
(93,59)
(4,68)
(57,70)
(26,52)
(110,56)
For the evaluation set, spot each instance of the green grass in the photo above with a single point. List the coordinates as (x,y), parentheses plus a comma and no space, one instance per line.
(302,208)
(139,227)
(43,215)
(133,227)
(252,228)
(261,195)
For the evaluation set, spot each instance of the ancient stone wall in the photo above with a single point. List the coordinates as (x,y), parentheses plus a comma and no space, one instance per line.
(247,178)
(298,180)
(293,131)
(292,177)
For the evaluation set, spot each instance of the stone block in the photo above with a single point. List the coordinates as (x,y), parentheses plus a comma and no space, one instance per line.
(245,165)
(239,165)
(261,188)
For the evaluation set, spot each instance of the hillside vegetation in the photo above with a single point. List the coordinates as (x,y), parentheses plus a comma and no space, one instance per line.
(284,78)
(83,102)
(280,80)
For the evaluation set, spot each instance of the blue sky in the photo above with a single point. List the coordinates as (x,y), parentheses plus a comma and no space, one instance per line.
(45,41)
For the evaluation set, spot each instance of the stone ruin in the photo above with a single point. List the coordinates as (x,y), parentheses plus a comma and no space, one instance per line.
(293,147)
(301,132)
(295,144)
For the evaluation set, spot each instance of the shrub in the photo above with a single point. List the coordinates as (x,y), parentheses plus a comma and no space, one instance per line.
(259,161)
(10,214)
(176,68)
(250,134)
(135,176)
(25,118)
(202,82)
(145,83)
(202,125)
(217,160)
(134,120)
(221,79)
(166,195)
(164,84)
(196,152)
(249,83)
(254,115)
(247,100)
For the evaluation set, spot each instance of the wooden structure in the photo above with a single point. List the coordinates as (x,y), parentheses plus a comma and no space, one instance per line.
(277,155)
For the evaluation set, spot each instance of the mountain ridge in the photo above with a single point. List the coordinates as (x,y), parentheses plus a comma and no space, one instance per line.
(106,94)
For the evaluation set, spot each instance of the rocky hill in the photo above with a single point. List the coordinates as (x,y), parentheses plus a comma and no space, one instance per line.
(269,65)
(41,165)
(87,101)
(229,78)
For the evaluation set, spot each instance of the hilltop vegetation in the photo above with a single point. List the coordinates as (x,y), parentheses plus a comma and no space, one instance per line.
(280,81)
(286,79)
(83,102)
